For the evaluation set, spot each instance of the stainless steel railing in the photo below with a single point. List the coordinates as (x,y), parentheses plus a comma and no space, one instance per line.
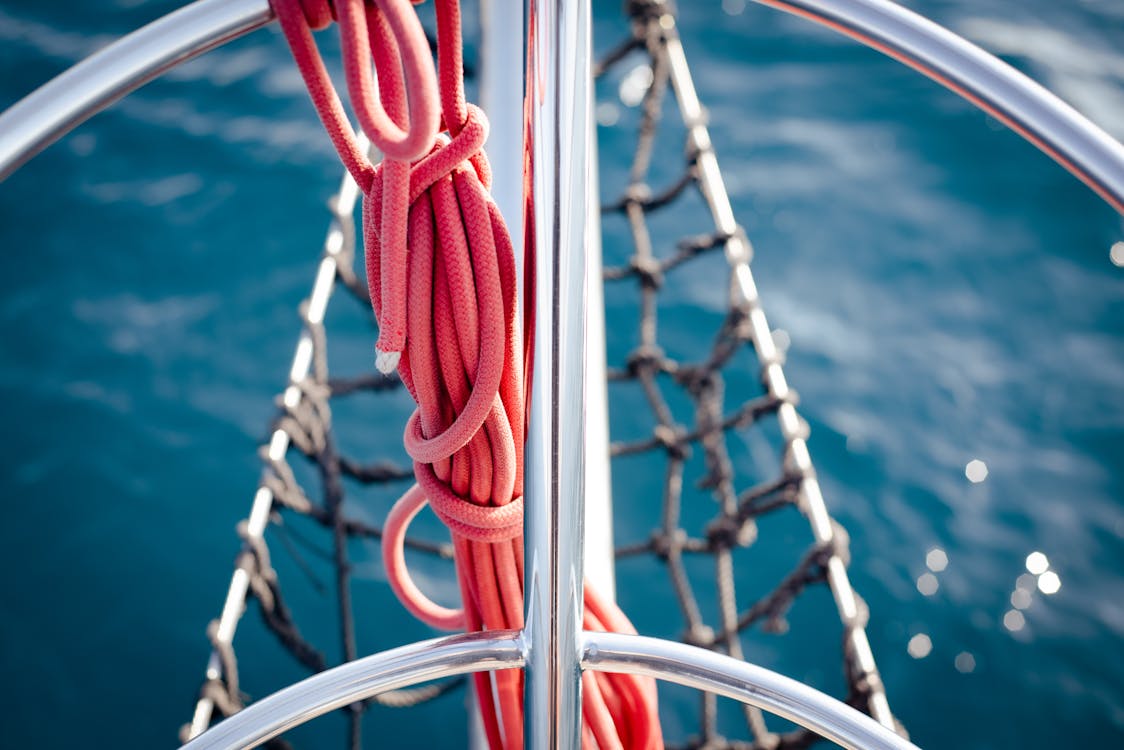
(71,98)
(562,223)
(1056,128)
(39,119)
(553,648)
(608,652)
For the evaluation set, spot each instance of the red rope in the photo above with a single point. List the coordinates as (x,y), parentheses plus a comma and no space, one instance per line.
(441,271)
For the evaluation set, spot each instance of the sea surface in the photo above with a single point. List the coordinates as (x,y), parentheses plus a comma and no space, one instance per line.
(956,329)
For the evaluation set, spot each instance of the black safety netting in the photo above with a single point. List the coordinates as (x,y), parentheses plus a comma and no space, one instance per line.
(723,538)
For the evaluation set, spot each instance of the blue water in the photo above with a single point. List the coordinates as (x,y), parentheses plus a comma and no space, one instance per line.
(947,290)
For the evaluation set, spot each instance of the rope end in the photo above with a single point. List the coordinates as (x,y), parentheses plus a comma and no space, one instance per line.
(386,362)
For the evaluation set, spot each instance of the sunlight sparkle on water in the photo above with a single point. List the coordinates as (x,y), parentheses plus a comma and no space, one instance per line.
(635,85)
(1049,583)
(936,560)
(919,646)
(1037,563)
(965,662)
(927,584)
(976,471)
(1020,598)
(607,114)
(1014,620)
(782,340)
(1116,254)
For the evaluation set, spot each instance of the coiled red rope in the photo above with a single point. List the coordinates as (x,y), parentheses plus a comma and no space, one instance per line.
(441,271)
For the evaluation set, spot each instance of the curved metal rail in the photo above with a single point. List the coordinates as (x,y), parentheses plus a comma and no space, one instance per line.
(718,673)
(45,115)
(1059,130)
(608,652)
(351,682)
(76,95)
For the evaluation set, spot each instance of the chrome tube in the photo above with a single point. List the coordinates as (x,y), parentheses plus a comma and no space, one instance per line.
(343,685)
(57,107)
(1037,115)
(707,670)
(558,108)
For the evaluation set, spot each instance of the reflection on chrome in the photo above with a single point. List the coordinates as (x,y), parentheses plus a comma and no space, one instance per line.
(920,646)
(976,471)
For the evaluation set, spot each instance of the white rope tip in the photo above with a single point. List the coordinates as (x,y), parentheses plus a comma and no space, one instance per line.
(387,362)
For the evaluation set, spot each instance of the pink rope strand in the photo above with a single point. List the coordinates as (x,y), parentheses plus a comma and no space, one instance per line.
(441,274)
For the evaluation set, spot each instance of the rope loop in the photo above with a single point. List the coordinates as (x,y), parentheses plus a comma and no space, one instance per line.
(480,523)
(441,274)
(402,120)
(449,153)
(298,18)
(398,574)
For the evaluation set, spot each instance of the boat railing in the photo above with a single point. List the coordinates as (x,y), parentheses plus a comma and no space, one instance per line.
(553,648)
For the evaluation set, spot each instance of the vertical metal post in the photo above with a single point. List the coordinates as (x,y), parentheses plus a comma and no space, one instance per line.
(558,107)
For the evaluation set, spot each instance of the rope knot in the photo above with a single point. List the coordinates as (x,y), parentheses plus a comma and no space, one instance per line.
(452,151)
(727,532)
(393,193)
(673,439)
(480,523)
(646,359)
(649,270)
